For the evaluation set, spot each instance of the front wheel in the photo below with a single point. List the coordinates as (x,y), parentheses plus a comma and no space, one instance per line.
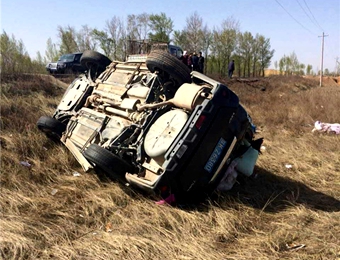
(93,58)
(52,128)
(114,166)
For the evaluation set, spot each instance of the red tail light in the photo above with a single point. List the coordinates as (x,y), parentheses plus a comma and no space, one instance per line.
(163,188)
(200,121)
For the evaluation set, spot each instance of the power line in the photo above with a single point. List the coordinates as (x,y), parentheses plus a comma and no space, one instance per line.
(307,14)
(313,16)
(294,18)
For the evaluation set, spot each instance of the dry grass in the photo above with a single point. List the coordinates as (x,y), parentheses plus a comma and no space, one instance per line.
(47,213)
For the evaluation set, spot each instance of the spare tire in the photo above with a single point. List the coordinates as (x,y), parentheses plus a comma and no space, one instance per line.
(163,132)
(90,58)
(160,60)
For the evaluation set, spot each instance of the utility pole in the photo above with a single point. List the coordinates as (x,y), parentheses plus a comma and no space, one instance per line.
(322,46)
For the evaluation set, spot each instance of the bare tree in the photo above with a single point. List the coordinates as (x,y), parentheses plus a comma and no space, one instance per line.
(223,44)
(138,26)
(205,44)
(231,24)
(132,27)
(67,38)
(195,36)
(116,32)
(193,31)
(104,41)
(143,25)
(85,39)
(180,38)
(51,53)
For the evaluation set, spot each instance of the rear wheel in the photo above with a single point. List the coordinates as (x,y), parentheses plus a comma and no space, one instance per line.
(51,127)
(159,60)
(90,59)
(114,166)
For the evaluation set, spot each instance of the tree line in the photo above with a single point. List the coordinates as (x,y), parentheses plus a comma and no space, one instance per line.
(219,45)
(15,59)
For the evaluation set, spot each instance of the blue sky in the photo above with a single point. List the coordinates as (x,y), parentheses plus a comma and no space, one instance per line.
(287,25)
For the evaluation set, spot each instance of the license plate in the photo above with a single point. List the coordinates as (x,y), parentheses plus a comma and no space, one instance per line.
(216,154)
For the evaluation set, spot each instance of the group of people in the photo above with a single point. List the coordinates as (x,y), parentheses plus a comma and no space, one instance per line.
(193,61)
(196,62)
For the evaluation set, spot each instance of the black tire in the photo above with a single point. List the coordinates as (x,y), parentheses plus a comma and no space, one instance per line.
(51,127)
(114,166)
(90,58)
(164,61)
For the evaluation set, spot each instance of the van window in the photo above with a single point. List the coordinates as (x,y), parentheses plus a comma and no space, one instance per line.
(173,51)
(176,51)
(77,58)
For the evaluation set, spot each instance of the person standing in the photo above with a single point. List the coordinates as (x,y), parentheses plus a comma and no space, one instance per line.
(231,68)
(195,62)
(184,58)
(200,62)
(189,64)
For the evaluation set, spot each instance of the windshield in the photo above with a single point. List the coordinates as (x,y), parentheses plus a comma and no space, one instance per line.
(67,57)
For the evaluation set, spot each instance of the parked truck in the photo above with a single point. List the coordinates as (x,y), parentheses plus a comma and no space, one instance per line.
(67,64)
(139,50)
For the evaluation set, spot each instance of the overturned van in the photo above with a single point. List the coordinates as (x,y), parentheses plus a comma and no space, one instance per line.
(155,125)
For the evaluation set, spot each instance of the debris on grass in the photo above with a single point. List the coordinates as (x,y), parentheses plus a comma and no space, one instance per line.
(25,163)
(326,127)
(170,200)
(108,227)
(76,174)
(294,247)
(54,192)
(289,166)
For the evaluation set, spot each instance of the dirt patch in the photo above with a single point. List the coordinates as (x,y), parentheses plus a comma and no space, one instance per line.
(326,80)
(25,84)
(334,81)
(59,82)
(278,83)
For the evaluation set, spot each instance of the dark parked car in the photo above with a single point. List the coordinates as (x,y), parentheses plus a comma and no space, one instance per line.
(67,64)
(155,126)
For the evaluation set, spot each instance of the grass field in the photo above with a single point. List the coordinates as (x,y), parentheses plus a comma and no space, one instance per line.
(49,211)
